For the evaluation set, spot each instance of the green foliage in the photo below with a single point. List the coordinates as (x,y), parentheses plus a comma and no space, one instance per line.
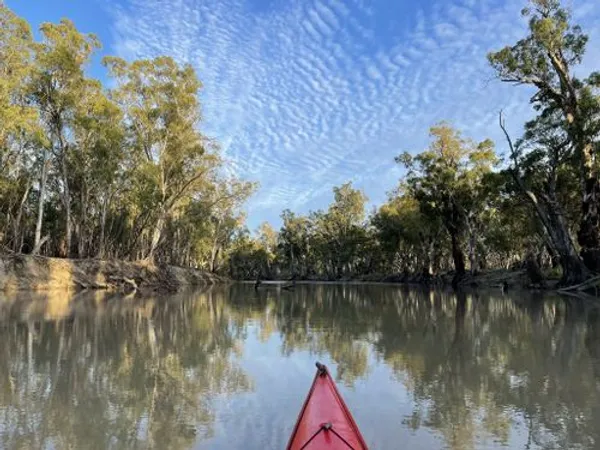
(407,236)
(127,173)
(16,46)
(248,259)
(565,133)
(121,173)
(447,181)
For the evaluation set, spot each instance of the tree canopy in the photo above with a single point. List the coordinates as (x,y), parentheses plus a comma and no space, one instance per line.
(120,172)
(459,207)
(124,171)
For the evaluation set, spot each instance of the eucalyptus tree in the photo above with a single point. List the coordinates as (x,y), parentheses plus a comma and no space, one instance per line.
(58,85)
(267,237)
(225,219)
(20,134)
(409,238)
(162,111)
(342,228)
(546,59)
(97,167)
(16,48)
(541,166)
(294,242)
(445,180)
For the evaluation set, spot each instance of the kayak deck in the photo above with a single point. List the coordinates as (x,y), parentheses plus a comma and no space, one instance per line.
(325,423)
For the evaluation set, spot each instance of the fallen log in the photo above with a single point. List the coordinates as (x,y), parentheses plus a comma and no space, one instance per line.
(587,284)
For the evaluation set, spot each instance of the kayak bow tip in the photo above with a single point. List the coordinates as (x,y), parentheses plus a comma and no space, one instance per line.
(322,368)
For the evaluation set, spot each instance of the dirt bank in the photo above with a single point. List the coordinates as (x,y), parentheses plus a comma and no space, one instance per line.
(19,272)
(495,278)
(490,278)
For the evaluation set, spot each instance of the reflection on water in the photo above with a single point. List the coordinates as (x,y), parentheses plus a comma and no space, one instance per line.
(114,373)
(229,368)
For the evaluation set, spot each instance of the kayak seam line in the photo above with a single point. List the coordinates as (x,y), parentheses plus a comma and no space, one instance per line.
(342,439)
(338,398)
(311,438)
(326,428)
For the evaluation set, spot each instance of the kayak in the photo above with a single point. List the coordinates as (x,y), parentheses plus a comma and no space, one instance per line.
(325,422)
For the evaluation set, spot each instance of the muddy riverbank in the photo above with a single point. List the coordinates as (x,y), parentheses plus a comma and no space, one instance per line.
(24,272)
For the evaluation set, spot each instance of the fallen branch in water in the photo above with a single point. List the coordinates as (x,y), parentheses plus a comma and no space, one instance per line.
(592,282)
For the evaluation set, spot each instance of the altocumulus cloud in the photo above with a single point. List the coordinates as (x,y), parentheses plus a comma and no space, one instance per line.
(305,94)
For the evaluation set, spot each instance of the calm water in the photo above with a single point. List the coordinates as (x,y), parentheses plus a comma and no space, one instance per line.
(229,368)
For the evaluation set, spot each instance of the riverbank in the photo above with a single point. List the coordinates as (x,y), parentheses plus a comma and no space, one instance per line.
(506,278)
(500,278)
(24,272)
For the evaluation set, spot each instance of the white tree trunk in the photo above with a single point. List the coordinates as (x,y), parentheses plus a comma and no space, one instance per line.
(40,216)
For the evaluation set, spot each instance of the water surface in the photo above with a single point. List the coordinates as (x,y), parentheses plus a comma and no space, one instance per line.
(228,368)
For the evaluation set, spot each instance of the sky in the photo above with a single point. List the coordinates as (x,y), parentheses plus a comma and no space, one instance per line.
(305,95)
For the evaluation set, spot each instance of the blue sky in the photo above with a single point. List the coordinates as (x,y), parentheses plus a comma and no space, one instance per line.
(307,94)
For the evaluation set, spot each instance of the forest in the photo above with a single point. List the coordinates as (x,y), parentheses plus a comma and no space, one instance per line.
(461,208)
(121,170)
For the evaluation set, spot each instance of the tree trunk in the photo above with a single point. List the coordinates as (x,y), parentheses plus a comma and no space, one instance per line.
(101,244)
(292,263)
(214,251)
(573,268)
(457,256)
(40,217)
(82,225)
(589,228)
(67,205)
(533,270)
(588,235)
(79,233)
(38,246)
(550,214)
(472,252)
(214,254)
(570,103)
(452,222)
(17,232)
(156,235)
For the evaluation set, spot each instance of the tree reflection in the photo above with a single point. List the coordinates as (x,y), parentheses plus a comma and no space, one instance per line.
(474,364)
(143,372)
(114,372)
(318,318)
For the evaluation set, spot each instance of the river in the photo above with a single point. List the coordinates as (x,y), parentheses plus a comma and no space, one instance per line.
(229,367)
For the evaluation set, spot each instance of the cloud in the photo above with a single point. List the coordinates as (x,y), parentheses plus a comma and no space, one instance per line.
(305,95)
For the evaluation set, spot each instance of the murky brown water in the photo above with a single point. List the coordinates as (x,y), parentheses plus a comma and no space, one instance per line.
(229,368)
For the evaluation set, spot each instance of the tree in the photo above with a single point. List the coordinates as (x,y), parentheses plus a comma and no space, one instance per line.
(16,46)
(247,258)
(96,166)
(19,129)
(294,242)
(342,228)
(444,180)
(545,59)
(58,86)
(407,235)
(160,101)
(541,163)
(107,173)
(226,218)
(267,238)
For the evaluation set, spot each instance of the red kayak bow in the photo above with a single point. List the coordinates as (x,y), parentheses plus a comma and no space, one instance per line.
(325,423)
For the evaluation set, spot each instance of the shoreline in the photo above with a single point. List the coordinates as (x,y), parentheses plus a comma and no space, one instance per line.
(41,273)
(495,278)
